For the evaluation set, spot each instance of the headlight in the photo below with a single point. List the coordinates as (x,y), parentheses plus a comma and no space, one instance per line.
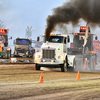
(61,57)
(15,52)
(27,53)
(37,56)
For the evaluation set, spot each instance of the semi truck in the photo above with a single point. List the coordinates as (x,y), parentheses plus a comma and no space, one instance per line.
(5,50)
(82,48)
(23,47)
(55,53)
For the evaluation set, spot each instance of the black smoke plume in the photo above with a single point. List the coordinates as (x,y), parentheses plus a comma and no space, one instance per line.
(88,10)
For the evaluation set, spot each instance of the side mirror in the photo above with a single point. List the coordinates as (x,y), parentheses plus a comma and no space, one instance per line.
(14,42)
(68,38)
(38,38)
(96,38)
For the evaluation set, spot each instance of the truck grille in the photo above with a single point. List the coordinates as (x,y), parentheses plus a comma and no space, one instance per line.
(48,54)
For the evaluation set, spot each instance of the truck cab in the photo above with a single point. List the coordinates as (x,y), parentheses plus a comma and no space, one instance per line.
(53,53)
(5,50)
(82,48)
(23,47)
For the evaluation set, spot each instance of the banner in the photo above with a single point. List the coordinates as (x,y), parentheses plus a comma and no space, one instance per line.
(96,46)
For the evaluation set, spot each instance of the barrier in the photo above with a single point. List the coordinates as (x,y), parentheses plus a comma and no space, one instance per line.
(13,60)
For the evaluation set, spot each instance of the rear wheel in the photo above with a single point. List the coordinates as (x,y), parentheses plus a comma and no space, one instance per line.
(91,64)
(37,67)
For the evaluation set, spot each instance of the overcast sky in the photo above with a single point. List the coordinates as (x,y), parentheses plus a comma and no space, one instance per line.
(18,14)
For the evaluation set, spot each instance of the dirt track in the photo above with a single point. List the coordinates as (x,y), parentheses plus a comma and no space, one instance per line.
(72,89)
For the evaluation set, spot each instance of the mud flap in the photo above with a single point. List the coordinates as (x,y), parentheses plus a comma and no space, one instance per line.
(79,62)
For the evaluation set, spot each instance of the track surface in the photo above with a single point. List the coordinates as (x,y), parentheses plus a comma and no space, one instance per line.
(70,88)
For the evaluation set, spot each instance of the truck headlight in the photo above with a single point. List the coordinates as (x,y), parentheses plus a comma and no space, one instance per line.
(61,57)
(27,53)
(37,56)
(15,52)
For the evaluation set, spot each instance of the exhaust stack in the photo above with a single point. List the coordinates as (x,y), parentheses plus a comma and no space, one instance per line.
(86,35)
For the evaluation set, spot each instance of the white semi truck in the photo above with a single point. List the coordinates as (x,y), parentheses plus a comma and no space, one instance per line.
(53,53)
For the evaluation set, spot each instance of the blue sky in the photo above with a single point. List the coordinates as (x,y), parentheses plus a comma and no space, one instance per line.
(18,14)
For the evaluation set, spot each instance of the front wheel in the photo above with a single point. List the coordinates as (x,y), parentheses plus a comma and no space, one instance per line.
(8,55)
(64,67)
(37,67)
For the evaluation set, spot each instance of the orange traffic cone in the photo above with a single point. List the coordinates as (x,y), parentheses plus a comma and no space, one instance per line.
(41,78)
(78,76)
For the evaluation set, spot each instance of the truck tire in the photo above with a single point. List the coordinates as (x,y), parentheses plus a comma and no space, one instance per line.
(37,67)
(32,55)
(64,66)
(5,56)
(94,63)
(14,54)
(91,63)
(8,54)
(28,56)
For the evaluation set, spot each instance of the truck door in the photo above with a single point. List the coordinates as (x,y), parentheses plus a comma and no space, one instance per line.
(65,45)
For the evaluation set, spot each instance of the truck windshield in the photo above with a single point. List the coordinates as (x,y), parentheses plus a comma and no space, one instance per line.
(22,42)
(56,39)
(78,41)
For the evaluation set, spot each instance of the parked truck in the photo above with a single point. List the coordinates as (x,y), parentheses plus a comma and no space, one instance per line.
(23,47)
(5,50)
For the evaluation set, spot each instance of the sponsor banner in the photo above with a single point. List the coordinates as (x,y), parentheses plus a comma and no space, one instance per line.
(96,46)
